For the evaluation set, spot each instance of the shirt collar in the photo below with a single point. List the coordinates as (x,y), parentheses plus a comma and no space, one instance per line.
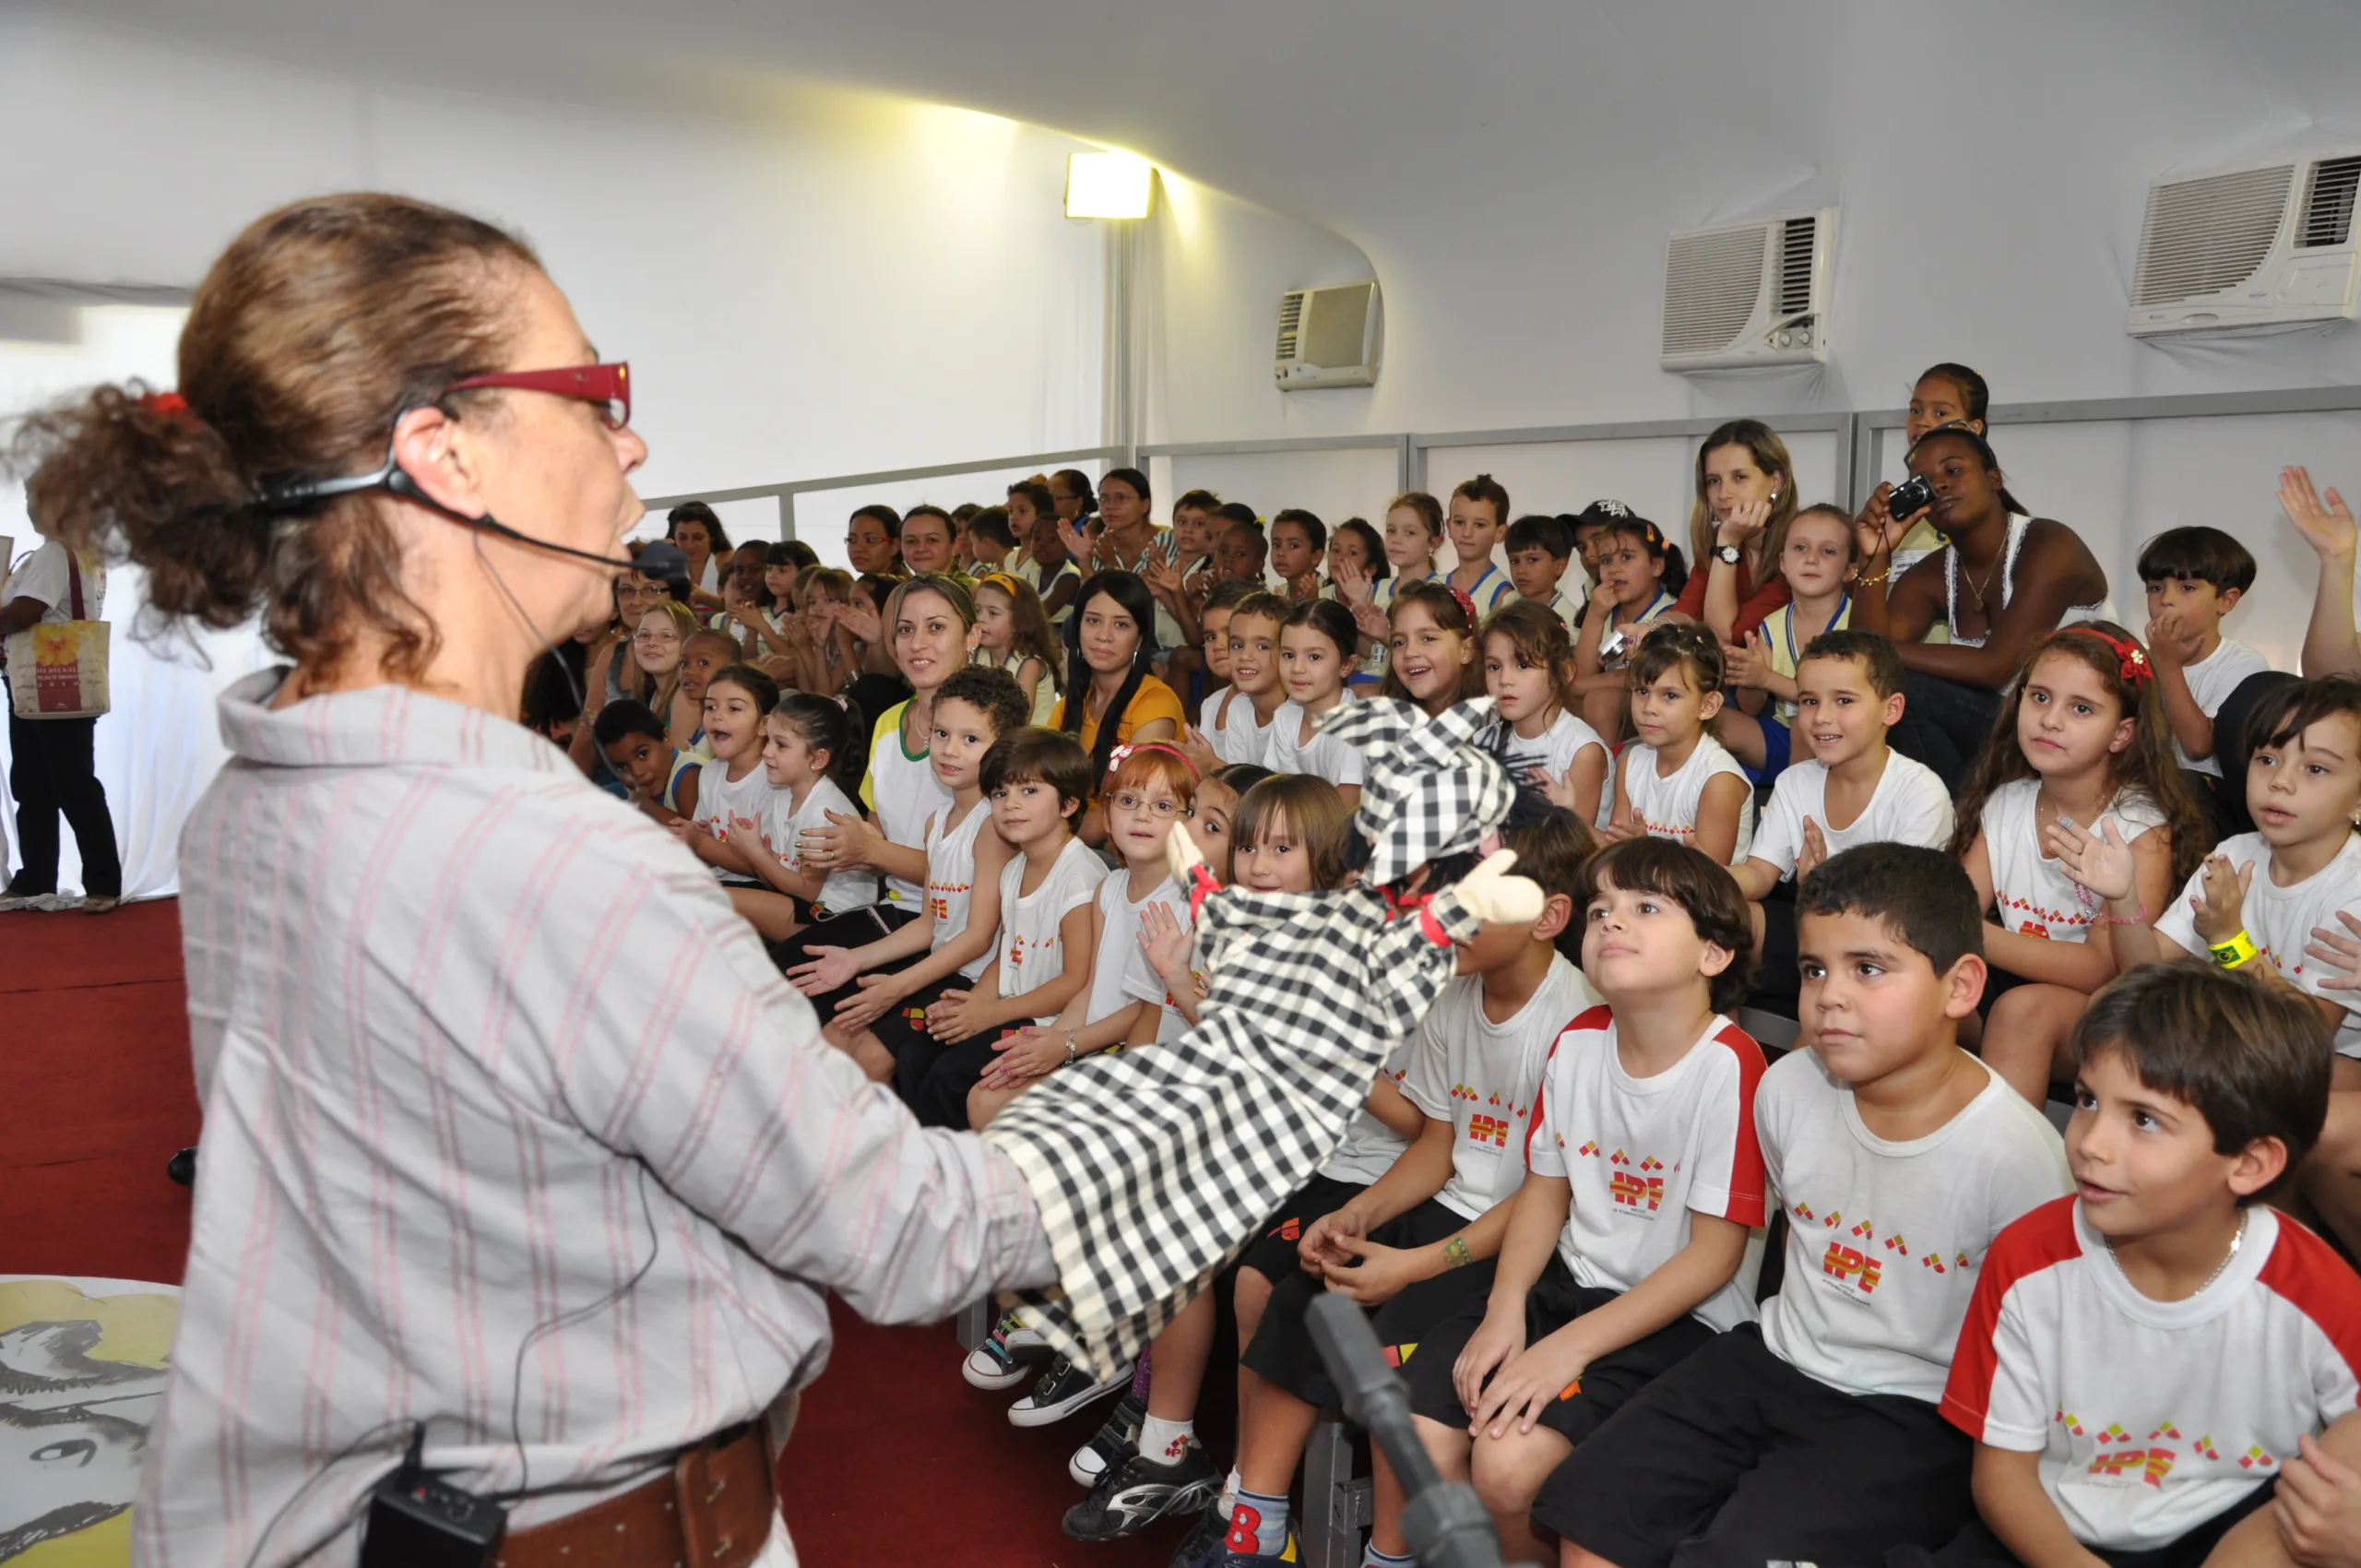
(374,726)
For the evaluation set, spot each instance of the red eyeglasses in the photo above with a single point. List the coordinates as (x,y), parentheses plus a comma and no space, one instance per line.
(606,384)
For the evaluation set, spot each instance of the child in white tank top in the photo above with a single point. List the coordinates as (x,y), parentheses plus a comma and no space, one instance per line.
(1675,781)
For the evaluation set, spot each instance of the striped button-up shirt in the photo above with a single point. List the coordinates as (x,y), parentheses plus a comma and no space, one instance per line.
(510,1128)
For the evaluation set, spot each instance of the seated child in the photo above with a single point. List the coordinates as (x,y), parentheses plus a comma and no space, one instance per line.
(872,998)
(1235,721)
(812,753)
(733,792)
(1591,529)
(1816,1437)
(2259,900)
(1239,553)
(1479,515)
(1528,663)
(1013,634)
(1038,781)
(2141,1358)
(1145,1463)
(2194,577)
(2083,737)
(1431,649)
(1540,549)
(1299,545)
(1640,577)
(662,777)
(1816,563)
(1418,1244)
(1850,789)
(1315,655)
(1611,1271)
(704,655)
(1675,781)
(1148,792)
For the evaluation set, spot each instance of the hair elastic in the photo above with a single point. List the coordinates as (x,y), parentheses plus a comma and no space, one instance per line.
(1115,758)
(171,405)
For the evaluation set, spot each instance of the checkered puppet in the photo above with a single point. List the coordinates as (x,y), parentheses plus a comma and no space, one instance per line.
(1152,1168)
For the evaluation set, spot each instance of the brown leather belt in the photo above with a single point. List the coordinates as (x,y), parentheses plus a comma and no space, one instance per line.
(715,1510)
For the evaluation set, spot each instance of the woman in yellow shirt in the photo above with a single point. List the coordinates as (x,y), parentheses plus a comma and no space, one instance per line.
(1110,643)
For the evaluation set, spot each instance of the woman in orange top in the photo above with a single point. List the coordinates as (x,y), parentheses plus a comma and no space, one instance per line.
(1110,643)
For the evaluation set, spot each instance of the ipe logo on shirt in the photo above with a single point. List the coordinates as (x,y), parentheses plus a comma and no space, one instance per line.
(1634,1185)
(1489,1131)
(1853,1270)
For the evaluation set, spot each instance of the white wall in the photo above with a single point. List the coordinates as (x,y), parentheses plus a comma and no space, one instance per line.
(853,282)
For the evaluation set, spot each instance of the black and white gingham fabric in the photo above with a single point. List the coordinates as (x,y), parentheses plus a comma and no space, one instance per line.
(1151,1169)
(1428,791)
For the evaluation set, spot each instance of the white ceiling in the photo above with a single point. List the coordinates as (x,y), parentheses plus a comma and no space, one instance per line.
(1368,116)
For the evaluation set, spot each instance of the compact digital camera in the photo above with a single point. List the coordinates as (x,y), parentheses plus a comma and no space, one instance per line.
(1912,495)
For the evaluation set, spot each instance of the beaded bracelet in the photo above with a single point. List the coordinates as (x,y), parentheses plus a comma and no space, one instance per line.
(2141,918)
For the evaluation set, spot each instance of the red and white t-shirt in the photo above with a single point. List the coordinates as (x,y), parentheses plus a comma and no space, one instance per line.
(1884,1238)
(2151,1417)
(1480,1076)
(1642,1154)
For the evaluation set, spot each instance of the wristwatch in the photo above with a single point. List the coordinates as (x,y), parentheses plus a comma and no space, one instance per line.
(1729,554)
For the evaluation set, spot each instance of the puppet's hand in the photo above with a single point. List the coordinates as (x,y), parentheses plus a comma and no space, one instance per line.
(1181,854)
(1494,897)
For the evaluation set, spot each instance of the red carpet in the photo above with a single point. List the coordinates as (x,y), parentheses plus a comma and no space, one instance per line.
(895,1458)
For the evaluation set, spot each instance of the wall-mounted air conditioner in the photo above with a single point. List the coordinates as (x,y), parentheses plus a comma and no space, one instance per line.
(1751,293)
(2255,245)
(1329,337)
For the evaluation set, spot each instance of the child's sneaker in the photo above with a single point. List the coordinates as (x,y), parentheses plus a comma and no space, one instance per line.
(1063,1389)
(1202,1547)
(993,1364)
(1115,1441)
(1139,1492)
(1259,1559)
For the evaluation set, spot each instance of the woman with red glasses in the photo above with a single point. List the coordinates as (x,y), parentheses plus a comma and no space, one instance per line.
(520,1154)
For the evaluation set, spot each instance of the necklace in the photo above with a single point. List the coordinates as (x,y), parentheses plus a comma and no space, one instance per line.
(1975,588)
(2235,1241)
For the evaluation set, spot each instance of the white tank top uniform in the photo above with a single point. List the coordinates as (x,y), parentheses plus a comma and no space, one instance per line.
(1908,806)
(1229,726)
(2104,610)
(783,832)
(1045,691)
(1120,972)
(1032,950)
(951,878)
(1323,755)
(1666,808)
(720,803)
(904,791)
(1553,751)
(2280,921)
(2032,892)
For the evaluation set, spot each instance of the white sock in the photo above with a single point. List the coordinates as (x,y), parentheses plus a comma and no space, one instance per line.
(1229,1492)
(1163,1442)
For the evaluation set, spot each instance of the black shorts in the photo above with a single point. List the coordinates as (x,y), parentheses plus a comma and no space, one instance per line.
(1283,1352)
(1272,1253)
(1976,1547)
(1734,1458)
(856,929)
(940,1100)
(902,1030)
(1555,1300)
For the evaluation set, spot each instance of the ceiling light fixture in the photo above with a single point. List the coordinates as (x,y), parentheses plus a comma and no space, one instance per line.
(1108,185)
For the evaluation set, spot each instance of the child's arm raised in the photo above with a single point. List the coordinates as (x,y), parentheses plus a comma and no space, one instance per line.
(1756,877)
(2010,1496)
(1527,1386)
(2090,964)
(1168,947)
(1720,805)
(2191,726)
(2330,646)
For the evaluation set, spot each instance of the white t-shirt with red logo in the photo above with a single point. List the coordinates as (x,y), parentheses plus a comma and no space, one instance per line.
(2031,891)
(1370,1147)
(2280,921)
(1480,1075)
(1642,1154)
(1883,1237)
(2151,1417)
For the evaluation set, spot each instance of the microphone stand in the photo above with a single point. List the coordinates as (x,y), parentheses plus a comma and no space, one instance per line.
(1443,1521)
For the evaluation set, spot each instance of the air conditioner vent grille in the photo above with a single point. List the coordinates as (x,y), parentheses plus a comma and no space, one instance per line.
(1798,239)
(1711,283)
(2203,236)
(2328,204)
(1290,322)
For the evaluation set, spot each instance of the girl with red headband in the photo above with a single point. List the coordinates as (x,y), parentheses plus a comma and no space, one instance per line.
(2082,739)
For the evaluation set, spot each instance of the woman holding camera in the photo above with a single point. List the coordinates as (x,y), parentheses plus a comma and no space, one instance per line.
(2000,583)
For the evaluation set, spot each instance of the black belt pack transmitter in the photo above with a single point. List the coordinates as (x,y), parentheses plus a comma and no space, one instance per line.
(416,1521)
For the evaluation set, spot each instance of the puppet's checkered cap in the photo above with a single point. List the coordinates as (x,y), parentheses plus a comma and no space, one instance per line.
(1428,789)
